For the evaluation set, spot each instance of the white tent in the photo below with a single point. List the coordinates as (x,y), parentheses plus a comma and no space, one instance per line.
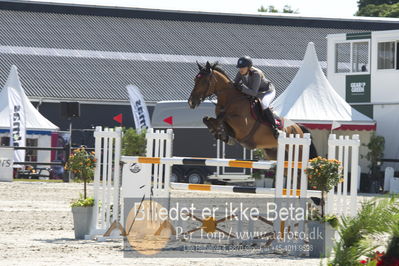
(310,99)
(34,120)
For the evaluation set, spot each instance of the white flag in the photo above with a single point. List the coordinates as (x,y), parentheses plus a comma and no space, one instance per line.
(335,125)
(17,114)
(139,109)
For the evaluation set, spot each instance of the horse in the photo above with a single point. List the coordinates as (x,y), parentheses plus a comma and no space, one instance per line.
(233,113)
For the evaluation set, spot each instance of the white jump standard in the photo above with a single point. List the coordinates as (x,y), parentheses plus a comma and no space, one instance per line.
(149,177)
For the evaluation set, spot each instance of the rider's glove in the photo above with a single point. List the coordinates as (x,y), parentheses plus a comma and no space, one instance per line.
(238,86)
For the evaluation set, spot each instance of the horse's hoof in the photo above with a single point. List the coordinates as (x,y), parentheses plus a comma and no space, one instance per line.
(231,141)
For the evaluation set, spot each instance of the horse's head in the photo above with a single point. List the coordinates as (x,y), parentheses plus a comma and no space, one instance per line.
(203,86)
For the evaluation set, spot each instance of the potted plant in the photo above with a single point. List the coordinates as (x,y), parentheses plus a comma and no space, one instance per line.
(82,163)
(270,177)
(259,175)
(376,152)
(323,175)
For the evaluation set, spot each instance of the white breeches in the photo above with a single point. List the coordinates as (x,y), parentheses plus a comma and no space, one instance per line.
(267,99)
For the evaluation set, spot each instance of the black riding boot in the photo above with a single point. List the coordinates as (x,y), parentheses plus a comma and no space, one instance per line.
(268,114)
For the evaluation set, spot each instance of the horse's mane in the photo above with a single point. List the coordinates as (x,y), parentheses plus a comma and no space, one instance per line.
(215,66)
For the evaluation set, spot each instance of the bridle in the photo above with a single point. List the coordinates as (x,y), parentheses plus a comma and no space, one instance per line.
(211,96)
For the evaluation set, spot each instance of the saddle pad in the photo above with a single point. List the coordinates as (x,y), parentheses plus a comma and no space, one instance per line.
(256,113)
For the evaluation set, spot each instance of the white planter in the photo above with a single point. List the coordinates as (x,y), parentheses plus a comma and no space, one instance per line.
(269,182)
(260,182)
(321,239)
(81,221)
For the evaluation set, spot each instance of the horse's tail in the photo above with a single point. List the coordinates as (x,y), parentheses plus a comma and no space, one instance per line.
(312,150)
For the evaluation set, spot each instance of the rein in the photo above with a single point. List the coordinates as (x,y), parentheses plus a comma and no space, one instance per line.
(212,96)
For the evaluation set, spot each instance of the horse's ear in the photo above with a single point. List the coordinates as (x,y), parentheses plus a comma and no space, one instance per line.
(215,64)
(208,66)
(199,66)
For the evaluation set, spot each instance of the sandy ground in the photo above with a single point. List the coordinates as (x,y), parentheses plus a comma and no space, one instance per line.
(36,228)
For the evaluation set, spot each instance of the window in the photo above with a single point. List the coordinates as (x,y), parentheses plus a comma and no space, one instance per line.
(360,58)
(343,57)
(4,141)
(352,57)
(397,55)
(386,55)
(31,155)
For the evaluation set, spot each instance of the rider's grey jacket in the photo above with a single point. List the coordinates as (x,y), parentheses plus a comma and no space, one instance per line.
(254,83)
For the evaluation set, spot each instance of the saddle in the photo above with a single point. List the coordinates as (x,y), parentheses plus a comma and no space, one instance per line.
(257,114)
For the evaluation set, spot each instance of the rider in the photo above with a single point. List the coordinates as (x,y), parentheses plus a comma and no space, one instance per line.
(252,81)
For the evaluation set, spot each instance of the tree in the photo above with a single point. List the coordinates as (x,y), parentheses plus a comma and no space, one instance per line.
(363,3)
(133,144)
(272,9)
(378,8)
(288,9)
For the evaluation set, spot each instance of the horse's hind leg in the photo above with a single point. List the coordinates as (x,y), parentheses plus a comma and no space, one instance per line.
(270,154)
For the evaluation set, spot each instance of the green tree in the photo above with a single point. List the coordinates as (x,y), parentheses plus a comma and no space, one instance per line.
(288,9)
(363,3)
(378,8)
(376,148)
(133,144)
(272,9)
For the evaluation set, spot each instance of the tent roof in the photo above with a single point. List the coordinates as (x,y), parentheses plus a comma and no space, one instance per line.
(311,98)
(34,120)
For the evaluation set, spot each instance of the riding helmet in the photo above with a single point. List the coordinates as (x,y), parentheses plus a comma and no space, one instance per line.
(244,61)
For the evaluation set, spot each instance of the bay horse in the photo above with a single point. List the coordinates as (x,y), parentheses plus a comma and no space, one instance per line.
(233,113)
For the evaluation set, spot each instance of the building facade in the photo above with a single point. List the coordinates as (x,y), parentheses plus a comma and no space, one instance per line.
(364,69)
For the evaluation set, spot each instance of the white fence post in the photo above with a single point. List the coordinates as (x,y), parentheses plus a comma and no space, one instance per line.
(107,174)
(296,145)
(354,174)
(338,203)
(388,175)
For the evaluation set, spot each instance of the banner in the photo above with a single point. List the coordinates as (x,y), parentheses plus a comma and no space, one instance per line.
(139,109)
(6,164)
(17,114)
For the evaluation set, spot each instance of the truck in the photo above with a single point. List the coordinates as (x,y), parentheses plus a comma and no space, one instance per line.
(193,139)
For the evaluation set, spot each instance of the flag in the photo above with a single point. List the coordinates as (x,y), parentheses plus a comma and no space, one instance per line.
(169,120)
(118,118)
(139,109)
(17,114)
(335,125)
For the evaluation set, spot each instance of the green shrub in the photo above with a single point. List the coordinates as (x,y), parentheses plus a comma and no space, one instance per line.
(83,202)
(133,144)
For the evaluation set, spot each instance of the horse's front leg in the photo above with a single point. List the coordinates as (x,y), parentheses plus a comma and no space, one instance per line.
(211,123)
(216,128)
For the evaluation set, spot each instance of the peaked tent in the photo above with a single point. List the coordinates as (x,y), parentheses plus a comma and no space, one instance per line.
(311,100)
(35,122)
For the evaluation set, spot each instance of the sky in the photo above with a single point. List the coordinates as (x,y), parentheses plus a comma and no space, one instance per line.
(317,8)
